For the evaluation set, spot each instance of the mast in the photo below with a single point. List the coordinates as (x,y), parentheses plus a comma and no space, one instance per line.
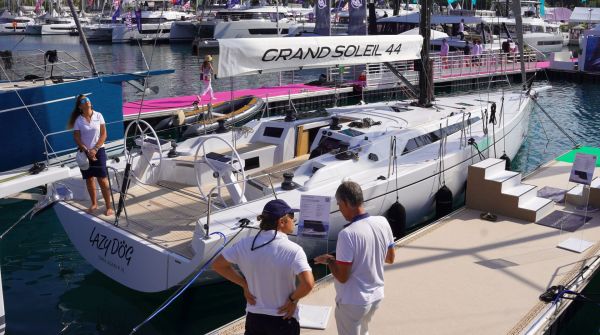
(425,79)
(516,8)
(86,47)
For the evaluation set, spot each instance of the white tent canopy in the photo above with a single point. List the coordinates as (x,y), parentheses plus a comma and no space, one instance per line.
(434,33)
(415,18)
(585,15)
(244,56)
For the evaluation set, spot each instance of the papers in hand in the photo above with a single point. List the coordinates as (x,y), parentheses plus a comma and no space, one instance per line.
(314,317)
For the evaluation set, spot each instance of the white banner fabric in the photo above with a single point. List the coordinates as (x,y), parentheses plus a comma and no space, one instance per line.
(243,56)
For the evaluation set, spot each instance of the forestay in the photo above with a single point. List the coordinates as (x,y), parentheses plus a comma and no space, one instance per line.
(243,56)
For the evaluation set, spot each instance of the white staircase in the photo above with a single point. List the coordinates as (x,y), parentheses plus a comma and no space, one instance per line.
(491,188)
(578,195)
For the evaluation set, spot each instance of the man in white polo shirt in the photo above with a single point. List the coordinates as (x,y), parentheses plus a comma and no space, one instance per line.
(362,248)
(270,264)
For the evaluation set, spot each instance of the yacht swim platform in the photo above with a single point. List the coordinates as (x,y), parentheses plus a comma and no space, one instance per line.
(464,275)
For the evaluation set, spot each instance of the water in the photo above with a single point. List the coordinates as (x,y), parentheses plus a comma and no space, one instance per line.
(50,289)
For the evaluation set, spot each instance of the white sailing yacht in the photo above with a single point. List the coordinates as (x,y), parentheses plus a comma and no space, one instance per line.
(178,211)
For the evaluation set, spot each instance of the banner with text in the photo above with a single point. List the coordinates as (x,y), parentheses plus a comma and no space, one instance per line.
(323,14)
(358,17)
(245,56)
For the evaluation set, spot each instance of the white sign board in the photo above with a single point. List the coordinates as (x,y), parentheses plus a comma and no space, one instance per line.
(583,168)
(314,216)
(240,56)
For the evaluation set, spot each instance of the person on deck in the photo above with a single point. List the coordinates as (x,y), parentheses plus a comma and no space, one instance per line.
(90,133)
(206,74)
(363,246)
(467,53)
(444,50)
(461,29)
(270,264)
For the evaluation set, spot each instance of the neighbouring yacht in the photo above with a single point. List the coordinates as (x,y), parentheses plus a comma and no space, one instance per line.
(155,25)
(252,22)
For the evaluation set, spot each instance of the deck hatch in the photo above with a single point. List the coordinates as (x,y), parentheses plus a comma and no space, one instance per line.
(497,263)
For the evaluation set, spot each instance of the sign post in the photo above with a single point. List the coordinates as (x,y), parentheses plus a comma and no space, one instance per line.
(582,173)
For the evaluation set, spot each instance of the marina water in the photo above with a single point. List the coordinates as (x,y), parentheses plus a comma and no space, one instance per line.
(50,289)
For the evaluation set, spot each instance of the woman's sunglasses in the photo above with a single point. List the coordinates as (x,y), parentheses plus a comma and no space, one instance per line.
(84,101)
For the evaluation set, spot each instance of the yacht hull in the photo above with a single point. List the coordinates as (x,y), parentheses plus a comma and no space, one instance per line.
(144,266)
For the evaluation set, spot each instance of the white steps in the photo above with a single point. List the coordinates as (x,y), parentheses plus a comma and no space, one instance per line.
(490,188)
(578,197)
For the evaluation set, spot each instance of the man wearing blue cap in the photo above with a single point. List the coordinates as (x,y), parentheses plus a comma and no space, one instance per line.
(270,264)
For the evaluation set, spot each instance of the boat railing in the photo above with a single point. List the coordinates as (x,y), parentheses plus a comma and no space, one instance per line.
(36,65)
(455,65)
(61,155)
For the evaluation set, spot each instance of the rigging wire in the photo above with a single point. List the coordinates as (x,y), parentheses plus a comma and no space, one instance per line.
(203,268)
(125,184)
(29,112)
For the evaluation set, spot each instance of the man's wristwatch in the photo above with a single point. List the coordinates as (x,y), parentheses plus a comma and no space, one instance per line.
(292,300)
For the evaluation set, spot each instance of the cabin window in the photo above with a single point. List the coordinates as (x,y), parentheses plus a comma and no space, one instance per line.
(549,42)
(251,163)
(434,136)
(273,132)
(266,31)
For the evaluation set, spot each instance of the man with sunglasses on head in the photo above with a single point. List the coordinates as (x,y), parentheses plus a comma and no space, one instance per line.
(270,264)
(363,246)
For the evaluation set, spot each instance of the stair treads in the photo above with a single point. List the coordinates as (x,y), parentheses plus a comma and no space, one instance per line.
(563,220)
(555,194)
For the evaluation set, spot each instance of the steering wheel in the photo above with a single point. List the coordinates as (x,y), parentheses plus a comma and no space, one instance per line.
(202,160)
(144,130)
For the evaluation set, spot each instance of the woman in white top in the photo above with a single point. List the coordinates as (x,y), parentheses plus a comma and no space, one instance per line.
(90,133)
(206,73)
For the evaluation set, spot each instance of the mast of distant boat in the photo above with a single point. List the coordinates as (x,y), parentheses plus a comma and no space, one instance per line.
(519,23)
(86,47)
(425,79)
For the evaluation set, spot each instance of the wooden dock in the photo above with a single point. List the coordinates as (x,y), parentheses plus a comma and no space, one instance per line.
(465,275)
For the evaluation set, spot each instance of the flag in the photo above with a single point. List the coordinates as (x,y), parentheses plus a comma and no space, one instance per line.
(231,3)
(90,3)
(38,5)
(323,14)
(186,6)
(138,19)
(357,24)
(473,2)
(128,23)
(176,2)
(450,2)
(117,5)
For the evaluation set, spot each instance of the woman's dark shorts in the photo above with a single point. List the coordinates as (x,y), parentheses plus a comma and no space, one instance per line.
(98,167)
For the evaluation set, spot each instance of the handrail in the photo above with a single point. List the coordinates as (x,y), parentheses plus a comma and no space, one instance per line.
(55,153)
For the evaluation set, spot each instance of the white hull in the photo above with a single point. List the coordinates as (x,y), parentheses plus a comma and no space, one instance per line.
(50,29)
(144,266)
(184,31)
(150,31)
(544,42)
(98,33)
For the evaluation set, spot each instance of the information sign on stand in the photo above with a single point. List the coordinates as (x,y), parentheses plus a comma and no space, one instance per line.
(582,172)
(314,216)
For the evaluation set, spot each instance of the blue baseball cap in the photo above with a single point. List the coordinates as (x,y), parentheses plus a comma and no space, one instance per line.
(277,209)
